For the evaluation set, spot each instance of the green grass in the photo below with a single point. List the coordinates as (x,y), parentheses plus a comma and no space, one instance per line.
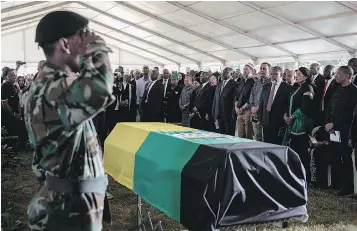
(327,211)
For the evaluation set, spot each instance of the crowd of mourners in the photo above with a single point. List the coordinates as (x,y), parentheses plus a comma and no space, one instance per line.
(313,113)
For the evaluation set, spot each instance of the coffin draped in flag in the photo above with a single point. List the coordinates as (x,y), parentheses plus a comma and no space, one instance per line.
(206,180)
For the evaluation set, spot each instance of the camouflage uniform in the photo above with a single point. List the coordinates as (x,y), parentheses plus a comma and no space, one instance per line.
(58,116)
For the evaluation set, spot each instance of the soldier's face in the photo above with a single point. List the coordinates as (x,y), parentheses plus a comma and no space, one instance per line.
(74,56)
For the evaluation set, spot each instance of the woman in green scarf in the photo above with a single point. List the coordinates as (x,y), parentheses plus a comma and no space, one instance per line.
(299,119)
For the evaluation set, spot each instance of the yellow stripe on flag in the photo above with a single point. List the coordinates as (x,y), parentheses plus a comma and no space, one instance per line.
(119,152)
(122,144)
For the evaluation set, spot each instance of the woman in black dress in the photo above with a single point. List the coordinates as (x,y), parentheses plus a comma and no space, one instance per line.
(299,119)
(173,107)
(195,121)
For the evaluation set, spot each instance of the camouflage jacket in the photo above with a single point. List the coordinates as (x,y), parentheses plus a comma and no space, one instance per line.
(58,116)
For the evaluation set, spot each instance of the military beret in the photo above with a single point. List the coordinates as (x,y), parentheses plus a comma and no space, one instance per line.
(59,24)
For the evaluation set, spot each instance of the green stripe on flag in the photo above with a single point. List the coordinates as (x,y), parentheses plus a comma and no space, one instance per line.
(157,171)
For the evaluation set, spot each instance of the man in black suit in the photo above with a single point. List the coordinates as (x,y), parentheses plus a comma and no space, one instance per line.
(353,64)
(328,90)
(223,103)
(166,82)
(151,103)
(339,118)
(323,153)
(203,102)
(275,98)
(318,82)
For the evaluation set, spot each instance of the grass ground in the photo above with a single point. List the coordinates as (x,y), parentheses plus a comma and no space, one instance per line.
(327,211)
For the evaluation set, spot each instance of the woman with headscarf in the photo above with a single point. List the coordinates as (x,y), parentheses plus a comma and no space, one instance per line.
(11,110)
(195,122)
(299,119)
(181,80)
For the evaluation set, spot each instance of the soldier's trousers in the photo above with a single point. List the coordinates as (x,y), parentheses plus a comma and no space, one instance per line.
(53,211)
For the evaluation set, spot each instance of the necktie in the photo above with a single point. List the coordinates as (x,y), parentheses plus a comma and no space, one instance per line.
(223,84)
(165,87)
(271,97)
(147,91)
(323,96)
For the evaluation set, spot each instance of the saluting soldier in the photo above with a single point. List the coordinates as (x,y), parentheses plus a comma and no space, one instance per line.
(58,115)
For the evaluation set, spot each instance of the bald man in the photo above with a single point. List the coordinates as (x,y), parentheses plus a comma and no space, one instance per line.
(290,78)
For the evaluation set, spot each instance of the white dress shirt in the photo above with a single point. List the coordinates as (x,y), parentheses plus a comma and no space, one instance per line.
(165,82)
(277,85)
(314,78)
(324,93)
(151,84)
(204,84)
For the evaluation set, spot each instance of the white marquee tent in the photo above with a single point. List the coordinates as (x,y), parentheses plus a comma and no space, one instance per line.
(194,34)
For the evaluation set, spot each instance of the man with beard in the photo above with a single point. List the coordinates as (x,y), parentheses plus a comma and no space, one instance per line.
(223,102)
(152,101)
(58,115)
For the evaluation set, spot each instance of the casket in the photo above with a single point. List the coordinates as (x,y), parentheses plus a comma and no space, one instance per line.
(206,180)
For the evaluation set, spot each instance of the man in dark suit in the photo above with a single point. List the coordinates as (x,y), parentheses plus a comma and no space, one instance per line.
(127,100)
(339,118)
(223,103)
(275,98)
(166,82)
(203,103)
(151,103)
(322,153)
(318,82)
(328,90)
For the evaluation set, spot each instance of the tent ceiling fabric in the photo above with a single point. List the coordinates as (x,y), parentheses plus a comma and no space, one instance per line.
(186,33)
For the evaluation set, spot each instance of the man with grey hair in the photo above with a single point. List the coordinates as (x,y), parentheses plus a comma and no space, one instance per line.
(203,103)
(255,96)
(184,101)
(223,102)
(274,99)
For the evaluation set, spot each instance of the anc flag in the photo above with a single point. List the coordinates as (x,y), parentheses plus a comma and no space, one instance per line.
(203,179)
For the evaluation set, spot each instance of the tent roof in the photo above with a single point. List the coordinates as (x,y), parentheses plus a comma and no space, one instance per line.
(179,33)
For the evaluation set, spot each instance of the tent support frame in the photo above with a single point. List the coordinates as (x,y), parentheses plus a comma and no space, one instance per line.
(147,51)
(147,30)
(240,31)
(212,40)
(264,11)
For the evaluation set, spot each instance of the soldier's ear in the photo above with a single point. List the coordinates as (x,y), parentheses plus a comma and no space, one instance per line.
(64,45)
